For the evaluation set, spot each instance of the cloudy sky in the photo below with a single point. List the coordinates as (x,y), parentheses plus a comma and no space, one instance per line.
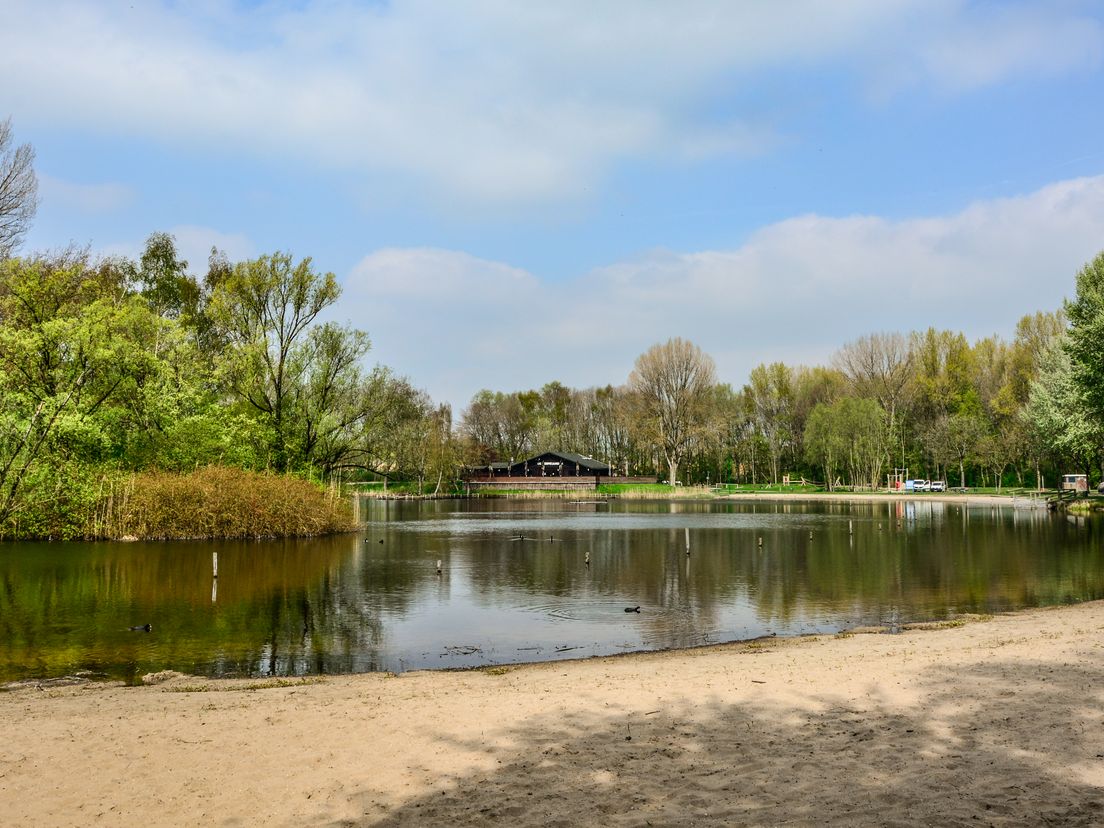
(518,192)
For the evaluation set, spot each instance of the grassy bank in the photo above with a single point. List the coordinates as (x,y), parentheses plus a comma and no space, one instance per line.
(211,502)
(662,491)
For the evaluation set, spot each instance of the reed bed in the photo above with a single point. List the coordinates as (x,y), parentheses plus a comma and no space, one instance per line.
(217,502)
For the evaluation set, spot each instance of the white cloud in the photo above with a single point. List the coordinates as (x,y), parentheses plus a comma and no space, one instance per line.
(491,102)
(795,291)
(92,199)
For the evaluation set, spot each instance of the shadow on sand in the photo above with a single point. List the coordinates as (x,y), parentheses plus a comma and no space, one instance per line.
(995,743)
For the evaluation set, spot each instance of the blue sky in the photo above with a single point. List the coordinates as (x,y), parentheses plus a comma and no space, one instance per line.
(514,193)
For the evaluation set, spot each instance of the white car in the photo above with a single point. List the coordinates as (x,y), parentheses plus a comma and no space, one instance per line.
(921,486)
(938,486)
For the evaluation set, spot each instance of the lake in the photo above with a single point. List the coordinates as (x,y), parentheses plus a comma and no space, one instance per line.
(515,584)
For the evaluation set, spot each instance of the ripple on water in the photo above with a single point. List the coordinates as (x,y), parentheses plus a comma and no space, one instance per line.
(604,611)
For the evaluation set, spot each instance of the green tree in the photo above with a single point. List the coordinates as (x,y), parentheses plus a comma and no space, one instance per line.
(70,349)
(1085,343)
(770,393)
(164,279)
(263,309)
(1056,414)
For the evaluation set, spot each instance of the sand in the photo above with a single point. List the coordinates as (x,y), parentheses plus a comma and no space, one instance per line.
(995,722)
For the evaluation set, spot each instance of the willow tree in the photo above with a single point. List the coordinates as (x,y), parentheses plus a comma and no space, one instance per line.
(264,309)
(673,385)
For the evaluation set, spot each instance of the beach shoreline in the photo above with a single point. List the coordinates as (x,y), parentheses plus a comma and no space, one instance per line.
(998,720)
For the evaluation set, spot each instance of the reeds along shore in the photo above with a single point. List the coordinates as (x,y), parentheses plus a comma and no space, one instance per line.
(210,503)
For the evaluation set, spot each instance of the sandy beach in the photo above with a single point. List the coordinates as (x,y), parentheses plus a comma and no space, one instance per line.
(993,722)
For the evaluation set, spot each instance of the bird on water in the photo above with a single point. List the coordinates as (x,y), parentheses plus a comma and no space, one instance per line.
(632,609)
(141,628)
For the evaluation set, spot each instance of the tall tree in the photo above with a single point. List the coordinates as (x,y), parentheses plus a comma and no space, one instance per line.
(18,190)
(879,366)
(673,383)
(1056,414)
(70,347)
(770,392)
(1085,343)
(264,308)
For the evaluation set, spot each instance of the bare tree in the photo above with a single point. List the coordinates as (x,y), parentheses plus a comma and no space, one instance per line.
(18,190)
(673,383)
(879,366)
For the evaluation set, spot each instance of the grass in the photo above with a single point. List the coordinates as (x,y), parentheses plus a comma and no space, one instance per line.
(217,502)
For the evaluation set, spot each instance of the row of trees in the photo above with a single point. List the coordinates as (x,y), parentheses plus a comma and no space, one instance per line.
(931,402)
(115,364)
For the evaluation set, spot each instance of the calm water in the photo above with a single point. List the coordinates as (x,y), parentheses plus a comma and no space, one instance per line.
(515,587)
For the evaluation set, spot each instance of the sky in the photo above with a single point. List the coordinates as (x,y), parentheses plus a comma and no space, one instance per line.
(515,193)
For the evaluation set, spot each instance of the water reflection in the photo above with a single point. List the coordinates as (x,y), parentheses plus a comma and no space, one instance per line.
(515,584)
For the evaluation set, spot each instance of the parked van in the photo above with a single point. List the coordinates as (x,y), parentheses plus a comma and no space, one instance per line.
(921,486)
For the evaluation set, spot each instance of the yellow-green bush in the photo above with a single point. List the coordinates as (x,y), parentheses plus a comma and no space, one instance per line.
(219,502)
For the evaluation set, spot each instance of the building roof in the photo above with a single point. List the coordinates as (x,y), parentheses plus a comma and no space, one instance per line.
(577,459)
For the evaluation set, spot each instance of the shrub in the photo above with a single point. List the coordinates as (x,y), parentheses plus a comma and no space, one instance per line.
(222,502)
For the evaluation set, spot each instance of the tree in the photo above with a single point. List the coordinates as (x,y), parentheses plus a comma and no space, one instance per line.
(852,431)
(166,284)
(18,190)
(1085,343)
(770,392)
(824,444)
(879,366)
(954,439)
(264,308)
(1056,414)
(71,347)
(672,384)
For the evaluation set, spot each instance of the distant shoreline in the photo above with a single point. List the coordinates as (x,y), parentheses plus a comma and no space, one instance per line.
(875,497)
(695,493)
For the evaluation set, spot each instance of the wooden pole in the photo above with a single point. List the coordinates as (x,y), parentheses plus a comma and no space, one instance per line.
(214,564)
(688,541)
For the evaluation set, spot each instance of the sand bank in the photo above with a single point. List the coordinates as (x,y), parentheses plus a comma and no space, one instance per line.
(994,722)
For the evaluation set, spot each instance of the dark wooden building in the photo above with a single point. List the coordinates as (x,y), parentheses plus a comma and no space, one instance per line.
(548,464)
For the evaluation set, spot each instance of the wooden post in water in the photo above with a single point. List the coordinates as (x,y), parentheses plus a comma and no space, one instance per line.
(214,564)
(760,541)
(688,541)
(438,566)
(850,527)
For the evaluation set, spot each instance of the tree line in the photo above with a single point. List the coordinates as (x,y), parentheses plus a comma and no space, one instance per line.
(929,404)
